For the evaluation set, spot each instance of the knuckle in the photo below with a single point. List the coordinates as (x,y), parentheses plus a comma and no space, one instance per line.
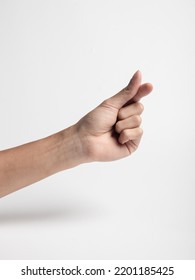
(125,90)
(126,133)
(140,131)
(107,103)
(139,107)
(129,87)
(121,114)
(137,119)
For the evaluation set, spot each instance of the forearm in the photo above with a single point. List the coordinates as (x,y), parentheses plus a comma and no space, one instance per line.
(29,163)
(109,132)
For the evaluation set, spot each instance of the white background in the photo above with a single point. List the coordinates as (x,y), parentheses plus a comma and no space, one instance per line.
(60,59)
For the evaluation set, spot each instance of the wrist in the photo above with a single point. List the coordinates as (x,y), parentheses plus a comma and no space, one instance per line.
(70,152)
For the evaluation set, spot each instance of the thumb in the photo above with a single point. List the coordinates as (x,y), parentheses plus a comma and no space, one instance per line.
(126,94)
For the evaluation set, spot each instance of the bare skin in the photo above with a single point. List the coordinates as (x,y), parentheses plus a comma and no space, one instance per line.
(109,132)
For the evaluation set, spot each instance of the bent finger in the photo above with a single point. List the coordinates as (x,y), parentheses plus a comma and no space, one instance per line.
(131,122)
(130,134)
(130,110)
(144,90)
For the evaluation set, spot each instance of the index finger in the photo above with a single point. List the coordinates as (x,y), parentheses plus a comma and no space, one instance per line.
(144,90)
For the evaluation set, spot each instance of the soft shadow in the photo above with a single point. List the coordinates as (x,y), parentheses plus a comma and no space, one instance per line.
(47,214)
(19,216)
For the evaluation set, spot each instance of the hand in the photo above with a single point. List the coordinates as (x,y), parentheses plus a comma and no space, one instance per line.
(112,130)
(109,132)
